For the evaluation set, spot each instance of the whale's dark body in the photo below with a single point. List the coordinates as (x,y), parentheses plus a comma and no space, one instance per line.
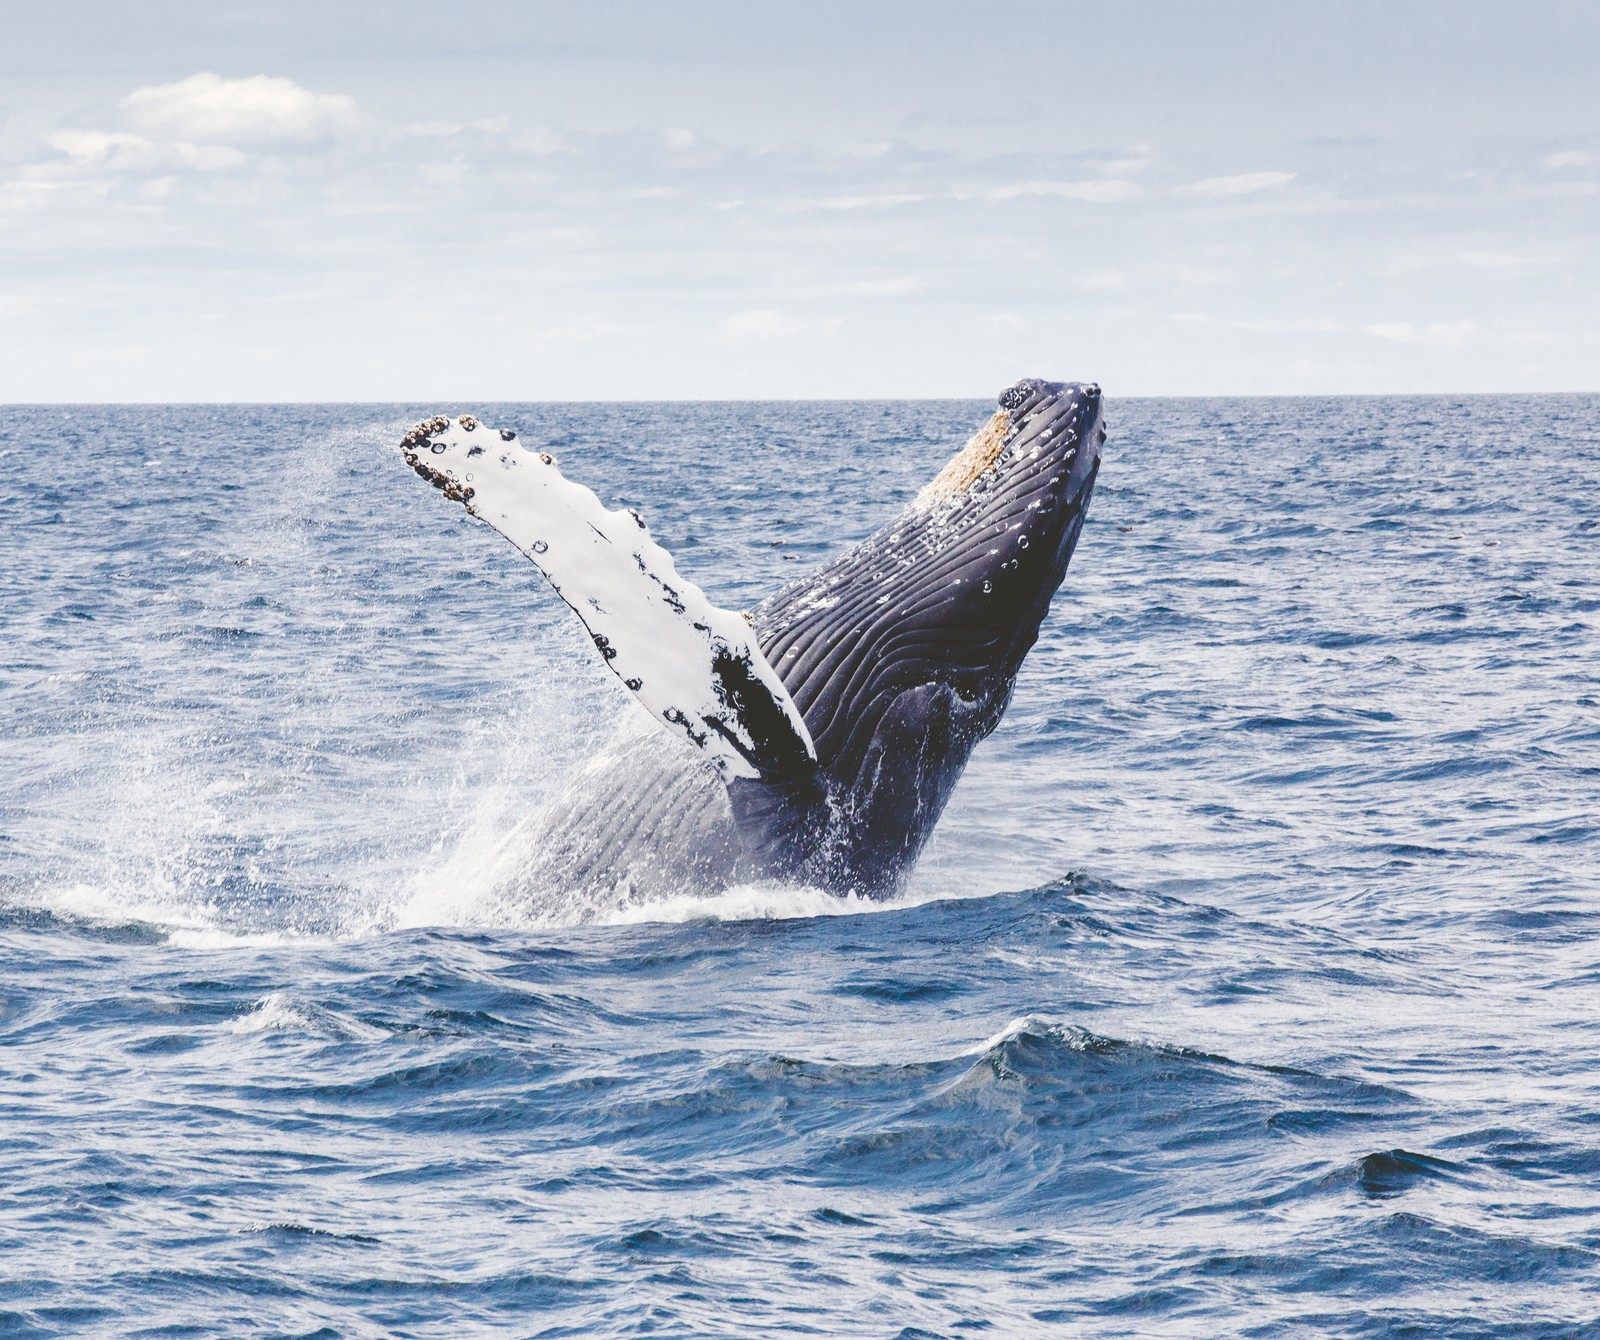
(901,655)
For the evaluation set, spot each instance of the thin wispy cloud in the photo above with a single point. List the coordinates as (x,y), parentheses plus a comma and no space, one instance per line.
(852,202)
(1101,192)
(1242,183)
(768,324)
(1440,334)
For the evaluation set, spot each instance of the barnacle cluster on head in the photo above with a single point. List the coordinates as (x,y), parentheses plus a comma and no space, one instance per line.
(970,464)
(1016,396)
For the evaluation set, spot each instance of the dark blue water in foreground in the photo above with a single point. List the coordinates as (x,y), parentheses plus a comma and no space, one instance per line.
(1251,987)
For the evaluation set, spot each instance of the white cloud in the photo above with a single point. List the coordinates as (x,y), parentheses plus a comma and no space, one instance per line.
(208,107)
(1567,158)
(678,138)
(1101,192)
(1441,334)
(99,148)
(869,201)
(1243,183)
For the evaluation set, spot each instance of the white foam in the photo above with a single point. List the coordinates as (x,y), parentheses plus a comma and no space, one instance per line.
(462,876)
(279,1013)
(102,905)
(183,923)
(760,901)
(271,1014)
(215,937)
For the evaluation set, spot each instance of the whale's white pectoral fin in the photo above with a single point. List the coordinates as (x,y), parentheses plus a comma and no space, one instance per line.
(697,668)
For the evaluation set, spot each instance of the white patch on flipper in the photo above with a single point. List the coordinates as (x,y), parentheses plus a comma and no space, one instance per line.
(656,630)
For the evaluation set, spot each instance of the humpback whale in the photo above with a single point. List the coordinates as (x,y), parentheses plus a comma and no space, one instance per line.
(817,737)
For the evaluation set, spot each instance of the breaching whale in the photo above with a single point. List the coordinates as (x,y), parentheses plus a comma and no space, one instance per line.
(817,738)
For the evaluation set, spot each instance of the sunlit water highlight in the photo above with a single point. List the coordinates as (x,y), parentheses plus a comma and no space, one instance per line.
(1250,985)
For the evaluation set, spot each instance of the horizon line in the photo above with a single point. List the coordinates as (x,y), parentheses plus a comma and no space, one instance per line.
(791,400)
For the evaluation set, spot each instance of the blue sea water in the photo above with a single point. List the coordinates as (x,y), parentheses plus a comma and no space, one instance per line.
(1251,985)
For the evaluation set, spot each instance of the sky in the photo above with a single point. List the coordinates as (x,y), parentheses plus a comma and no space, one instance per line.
(273,200)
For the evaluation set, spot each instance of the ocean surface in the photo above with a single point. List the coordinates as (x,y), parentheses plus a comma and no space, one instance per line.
(1250,986)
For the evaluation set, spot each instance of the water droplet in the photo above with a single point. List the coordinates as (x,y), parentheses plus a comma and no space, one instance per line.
(438,448)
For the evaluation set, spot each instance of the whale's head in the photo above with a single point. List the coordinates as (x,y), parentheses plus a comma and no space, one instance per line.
(902,653)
